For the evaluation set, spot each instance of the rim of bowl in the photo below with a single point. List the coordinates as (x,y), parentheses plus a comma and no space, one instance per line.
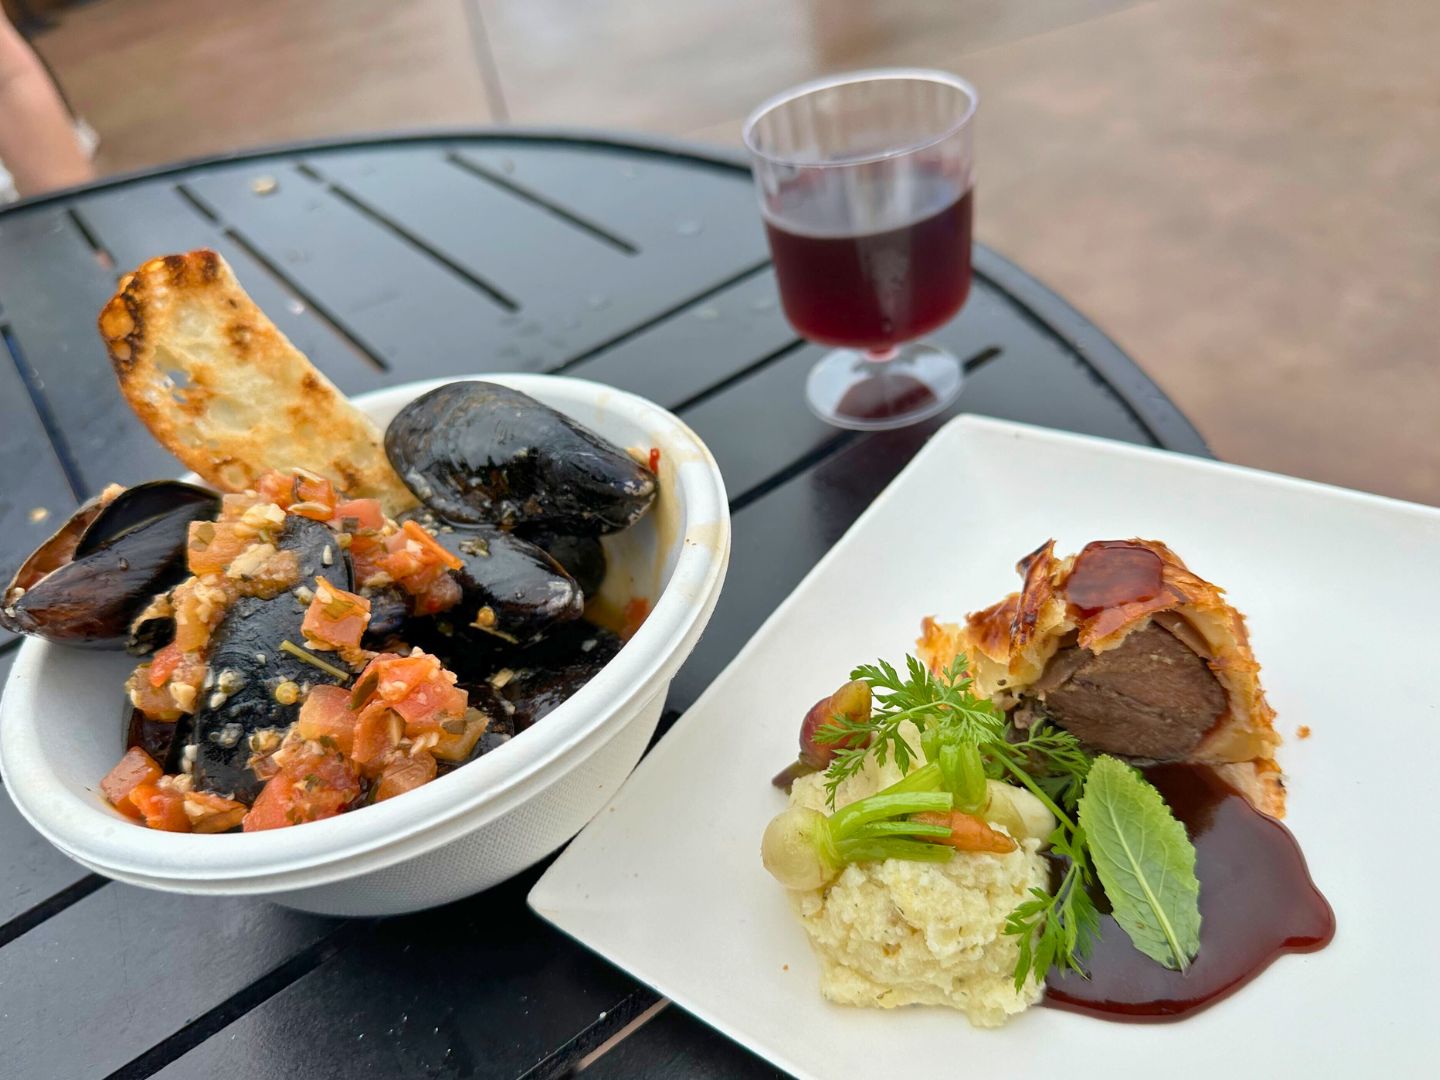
(99,838)
(828,82)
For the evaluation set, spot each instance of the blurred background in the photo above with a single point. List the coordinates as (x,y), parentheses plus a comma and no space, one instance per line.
(1246,196)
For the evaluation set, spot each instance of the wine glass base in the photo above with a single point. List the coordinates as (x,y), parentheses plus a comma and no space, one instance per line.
(849,389)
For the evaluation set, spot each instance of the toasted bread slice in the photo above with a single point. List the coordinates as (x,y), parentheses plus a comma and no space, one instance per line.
(224,390)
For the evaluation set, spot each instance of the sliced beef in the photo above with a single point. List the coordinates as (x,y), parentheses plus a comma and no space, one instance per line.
(1151,697)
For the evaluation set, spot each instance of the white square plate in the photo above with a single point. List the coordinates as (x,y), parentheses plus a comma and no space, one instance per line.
(1342,593)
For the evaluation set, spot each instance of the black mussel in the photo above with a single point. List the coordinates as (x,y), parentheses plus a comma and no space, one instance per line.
(153,628)
(467,652)
(86,584)
(478,452)
(535,681)
(390,609)
(510,588)
(247,665)
(163,740)
(583,557)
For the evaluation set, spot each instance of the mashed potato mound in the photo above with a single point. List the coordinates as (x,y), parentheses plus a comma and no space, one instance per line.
(910,933)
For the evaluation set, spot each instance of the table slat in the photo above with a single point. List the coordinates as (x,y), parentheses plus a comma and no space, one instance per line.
(572,290)
(411,311)
(34,871)
(111,976)
(683,210)
(675,1044)
(708,342)
(52,288)
(35,498)
(479,988)
(137,223)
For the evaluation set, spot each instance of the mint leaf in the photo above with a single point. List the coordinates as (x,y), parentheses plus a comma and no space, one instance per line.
(1145,862)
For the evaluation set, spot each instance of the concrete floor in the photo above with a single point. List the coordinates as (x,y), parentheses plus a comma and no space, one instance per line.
(1244,195)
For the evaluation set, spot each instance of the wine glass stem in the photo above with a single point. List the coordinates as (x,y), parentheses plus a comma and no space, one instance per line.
(880,356)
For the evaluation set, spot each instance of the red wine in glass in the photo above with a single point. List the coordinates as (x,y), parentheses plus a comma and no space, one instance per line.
(880,289)
(866,188)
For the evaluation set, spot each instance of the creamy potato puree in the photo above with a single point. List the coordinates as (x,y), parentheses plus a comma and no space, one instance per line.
(910,933)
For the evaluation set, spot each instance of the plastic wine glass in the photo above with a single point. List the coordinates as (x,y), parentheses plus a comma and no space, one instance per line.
(866,185)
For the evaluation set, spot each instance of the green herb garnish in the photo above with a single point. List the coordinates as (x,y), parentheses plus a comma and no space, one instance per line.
(310,658)
(925,700)
(1145,862)
(1114,827)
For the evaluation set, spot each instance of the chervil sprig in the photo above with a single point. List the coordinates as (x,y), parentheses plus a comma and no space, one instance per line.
(928,701)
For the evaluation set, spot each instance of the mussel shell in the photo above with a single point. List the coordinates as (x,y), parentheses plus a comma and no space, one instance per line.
(542,677)
(151,631)
(123,554)
(583,557)
(163,740)
(479,452)
(138,506)
(247,644)
(390,610)
(511,589)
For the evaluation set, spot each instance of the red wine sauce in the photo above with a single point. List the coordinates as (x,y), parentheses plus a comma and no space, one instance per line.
(1256,902)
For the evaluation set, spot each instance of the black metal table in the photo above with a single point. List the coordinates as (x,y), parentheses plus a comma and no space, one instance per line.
(635,262)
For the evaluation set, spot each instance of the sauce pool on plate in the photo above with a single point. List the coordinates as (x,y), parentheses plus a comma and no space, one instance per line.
(1256,902)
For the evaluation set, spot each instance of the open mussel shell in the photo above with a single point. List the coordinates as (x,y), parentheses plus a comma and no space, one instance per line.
(390,610)
(163,740)
(535,681)
(479,452)
(87,583)
(511,589)
(582,557)
(247,664)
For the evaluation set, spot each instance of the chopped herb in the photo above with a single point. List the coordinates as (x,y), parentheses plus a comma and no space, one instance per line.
(313,660)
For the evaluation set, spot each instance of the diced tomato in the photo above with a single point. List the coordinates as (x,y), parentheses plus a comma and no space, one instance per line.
(335,617)
(400,675)
(163,807)
(277,487)
(439,595)
(355,514)
(215,544)
(326,714)
(654,461)
(429,705)
(164,664)
(212,813)
(234,505)
(404,772)
(271,809)
(415,687)
(458,736)
(377,732)
(413,559)
(434,551)
(314,497)
(155,702)
(313,784)
(199,605)
(135,768)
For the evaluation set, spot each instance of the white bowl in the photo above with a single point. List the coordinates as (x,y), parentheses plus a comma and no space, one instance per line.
(60,723)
